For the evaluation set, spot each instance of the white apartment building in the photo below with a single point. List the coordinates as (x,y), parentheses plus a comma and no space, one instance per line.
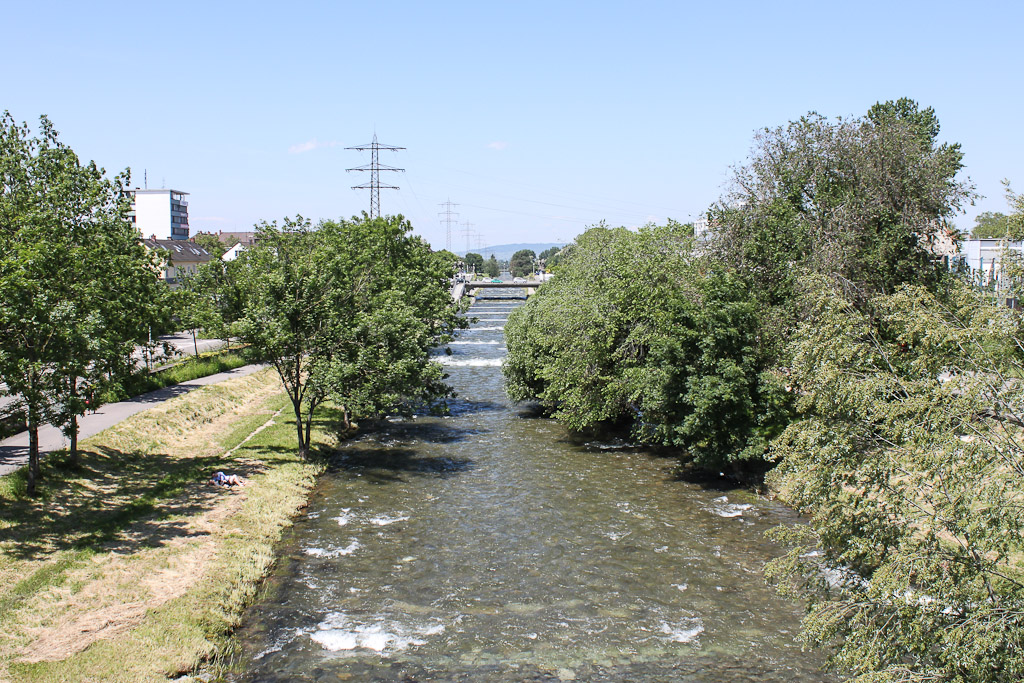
(162,214)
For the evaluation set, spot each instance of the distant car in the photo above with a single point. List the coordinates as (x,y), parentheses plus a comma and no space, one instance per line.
(519,279)
(496,280)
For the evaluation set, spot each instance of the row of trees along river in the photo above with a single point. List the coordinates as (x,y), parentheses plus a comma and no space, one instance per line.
(811,337)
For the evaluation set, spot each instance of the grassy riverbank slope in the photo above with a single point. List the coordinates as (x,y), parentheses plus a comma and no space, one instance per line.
(131,567)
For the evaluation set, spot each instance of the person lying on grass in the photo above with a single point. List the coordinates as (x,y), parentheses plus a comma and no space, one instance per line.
(221,479)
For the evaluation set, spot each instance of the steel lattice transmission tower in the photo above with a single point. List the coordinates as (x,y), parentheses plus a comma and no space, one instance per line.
(448,213)
(468,233)
(375,167)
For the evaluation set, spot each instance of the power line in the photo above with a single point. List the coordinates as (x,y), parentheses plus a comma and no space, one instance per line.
(448,213)
(375,167)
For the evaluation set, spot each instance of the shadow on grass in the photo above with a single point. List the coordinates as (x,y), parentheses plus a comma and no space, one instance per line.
(113,501)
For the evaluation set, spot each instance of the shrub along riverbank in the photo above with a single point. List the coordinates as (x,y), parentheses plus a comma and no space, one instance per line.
(129,566)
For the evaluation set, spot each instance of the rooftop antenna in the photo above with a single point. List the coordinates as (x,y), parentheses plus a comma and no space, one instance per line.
(145,179)
(375,167)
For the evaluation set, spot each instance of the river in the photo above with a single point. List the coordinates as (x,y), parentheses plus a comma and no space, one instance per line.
(494,545)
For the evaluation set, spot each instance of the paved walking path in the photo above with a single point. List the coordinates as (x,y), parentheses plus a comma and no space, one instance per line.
(14,450)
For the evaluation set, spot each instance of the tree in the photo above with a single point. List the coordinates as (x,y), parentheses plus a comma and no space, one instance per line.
(211,243)
(347,312)
(196,304)
(638,332)
(522,262)
(907,458)
(862,198)
(77,288)
(989,225)
(491,268)
(474,262)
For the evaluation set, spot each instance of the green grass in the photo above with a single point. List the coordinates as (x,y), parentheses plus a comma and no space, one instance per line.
(134,507)
(143,382)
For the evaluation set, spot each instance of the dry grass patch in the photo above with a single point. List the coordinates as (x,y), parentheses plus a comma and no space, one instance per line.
(131,567)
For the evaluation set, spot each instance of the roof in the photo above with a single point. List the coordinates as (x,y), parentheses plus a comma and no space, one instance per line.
(137,190)
(180,251)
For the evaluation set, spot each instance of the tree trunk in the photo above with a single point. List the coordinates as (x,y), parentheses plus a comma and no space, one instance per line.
(303,446)
(309,429)
(33,451)
(73,448)
(73,424)
(195,343)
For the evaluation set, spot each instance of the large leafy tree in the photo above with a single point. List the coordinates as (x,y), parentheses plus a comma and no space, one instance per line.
(638,331)
(990,225)
(347,311)
(474,262)
(491,267)
(860,198)
(522,263)
(77,288)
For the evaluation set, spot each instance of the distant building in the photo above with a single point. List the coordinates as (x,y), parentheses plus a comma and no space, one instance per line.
(179,258)
(981,258)
(232,253)
(163,213)
(230,238)
(701,225)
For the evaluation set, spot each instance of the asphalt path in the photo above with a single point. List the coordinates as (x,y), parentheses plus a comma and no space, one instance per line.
(181,342)
(14,450)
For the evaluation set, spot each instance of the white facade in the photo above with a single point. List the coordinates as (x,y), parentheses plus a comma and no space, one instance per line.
(162,214)
(981,257)
(232,253)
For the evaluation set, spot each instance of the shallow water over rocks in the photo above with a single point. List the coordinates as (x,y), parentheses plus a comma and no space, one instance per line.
(493,545)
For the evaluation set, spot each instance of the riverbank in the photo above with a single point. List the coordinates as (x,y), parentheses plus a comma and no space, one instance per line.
(131,567)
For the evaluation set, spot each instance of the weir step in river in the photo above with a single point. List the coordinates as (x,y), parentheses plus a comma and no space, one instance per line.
(494,545)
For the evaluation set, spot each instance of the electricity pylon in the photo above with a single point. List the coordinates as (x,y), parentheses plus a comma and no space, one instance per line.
(375,167)
(448,213)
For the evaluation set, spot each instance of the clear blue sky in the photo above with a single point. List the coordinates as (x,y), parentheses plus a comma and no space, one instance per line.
(538,118)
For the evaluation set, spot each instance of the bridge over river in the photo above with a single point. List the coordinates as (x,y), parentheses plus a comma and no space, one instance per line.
(493,545)
(462,288)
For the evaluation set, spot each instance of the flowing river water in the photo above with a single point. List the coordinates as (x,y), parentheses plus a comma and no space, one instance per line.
(494,545)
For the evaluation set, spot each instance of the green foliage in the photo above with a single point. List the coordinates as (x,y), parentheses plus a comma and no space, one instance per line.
(1015,221)
(474,262)
(989,225)
(637,331)
(211,243)
(142,382)
(860,198)
(196,304)
(491,267)
(77,288)
(522,263)
(907,455)
(348,312)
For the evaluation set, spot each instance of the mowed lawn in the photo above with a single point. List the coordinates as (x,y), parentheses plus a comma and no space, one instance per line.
(130,566)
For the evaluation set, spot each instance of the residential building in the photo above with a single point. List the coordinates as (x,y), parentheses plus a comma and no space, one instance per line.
(982,256)
(179,258)
(232,253)
(231,238)
(162,213)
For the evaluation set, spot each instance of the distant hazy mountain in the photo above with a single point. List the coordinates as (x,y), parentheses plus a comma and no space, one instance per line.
(503,252)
